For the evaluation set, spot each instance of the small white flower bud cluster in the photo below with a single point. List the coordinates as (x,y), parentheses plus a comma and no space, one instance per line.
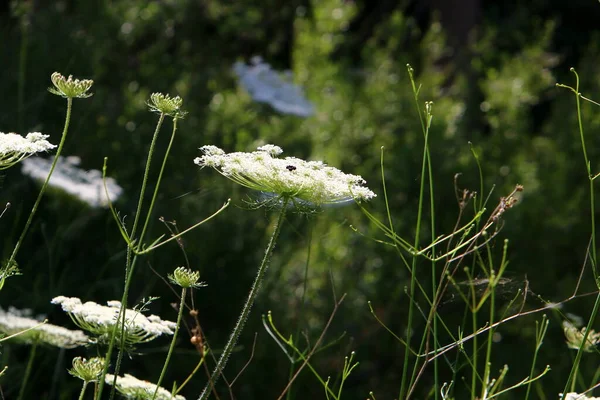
(575,337)
(309,182)
(132,388)
(100,320)
(14,148)
(69,87)
(14,321)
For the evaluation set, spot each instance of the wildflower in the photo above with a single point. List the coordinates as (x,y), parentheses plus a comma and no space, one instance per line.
(100,320)
(575,337)
(576,396)
(267,86)
(132,388)
(14,148)
(69,87)
(88,186)
(164,104)
(304,183)
(30,330)
(87,370)
(186,278)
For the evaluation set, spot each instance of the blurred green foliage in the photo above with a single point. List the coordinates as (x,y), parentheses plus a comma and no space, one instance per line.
(502,101)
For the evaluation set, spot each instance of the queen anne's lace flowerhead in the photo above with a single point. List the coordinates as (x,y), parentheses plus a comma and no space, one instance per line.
(575,337)
(165,104)
(14,148)
(132,388)
(577,396)
(87,370)
(301,182)
(13,322)
(186,278)
(99,320)
(69,87)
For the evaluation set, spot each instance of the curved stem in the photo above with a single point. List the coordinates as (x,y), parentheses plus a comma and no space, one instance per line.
(28,370)
(44,186)
(164,370)
(239,326)
(85,383)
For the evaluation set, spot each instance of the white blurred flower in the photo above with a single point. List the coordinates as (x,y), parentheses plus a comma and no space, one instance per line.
(268,86)
(85,185)
(304,183)
(14,148)
(14,321)
(575,337)
(576,396)
(133,388)
(100,320)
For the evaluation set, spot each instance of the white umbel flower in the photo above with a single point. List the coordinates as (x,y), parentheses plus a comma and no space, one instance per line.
(100,320)
(14,148)
(577,396)
(268,86)
(133,388)
(87,186)
(305,182)
(13,322)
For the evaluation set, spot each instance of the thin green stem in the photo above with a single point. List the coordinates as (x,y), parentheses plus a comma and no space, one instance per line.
(159,179)
(239,326)
(164,370)
(85,383)
(28,370)
(13,256)
(592,255)
(129,268)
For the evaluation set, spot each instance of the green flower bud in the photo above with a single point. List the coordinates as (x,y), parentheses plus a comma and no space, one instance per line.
(186,278)
(87,370)
(164,104)
(69,87)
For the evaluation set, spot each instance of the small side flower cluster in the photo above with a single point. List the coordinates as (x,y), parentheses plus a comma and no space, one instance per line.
(133,388)
(165,104)
(186,278)
(87,370)
(309,182)
(69,87)
(14,148)
(100,320)
(575,337)
(88,186)
(30,330)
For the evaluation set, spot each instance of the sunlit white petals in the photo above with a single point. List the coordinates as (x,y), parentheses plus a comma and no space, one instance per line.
(311,182)
(577,396)
(14,148)
(87,186)
(133,388)
(15,321)
(100,320)
(271,87)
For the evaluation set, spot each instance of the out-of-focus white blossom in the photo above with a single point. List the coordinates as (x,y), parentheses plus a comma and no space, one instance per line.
(575,337)
(85,185)
(576,396)
(133,388)
(305,183)
(14,321)
(99,320)
(268,86)
(14,148)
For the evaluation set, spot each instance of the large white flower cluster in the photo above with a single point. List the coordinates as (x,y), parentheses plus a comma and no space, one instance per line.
(577,396)
(309,182)
(14,148)
(100,320)
(134,388)
(268,86)
(31,330)
(85,185)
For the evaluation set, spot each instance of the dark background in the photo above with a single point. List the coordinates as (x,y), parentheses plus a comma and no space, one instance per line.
(489,67)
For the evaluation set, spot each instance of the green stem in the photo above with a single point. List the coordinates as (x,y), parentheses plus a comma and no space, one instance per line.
(164,370)
(239,326)
(28,370)
(592,255)
(129,268)
(85,383)
(44,186)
